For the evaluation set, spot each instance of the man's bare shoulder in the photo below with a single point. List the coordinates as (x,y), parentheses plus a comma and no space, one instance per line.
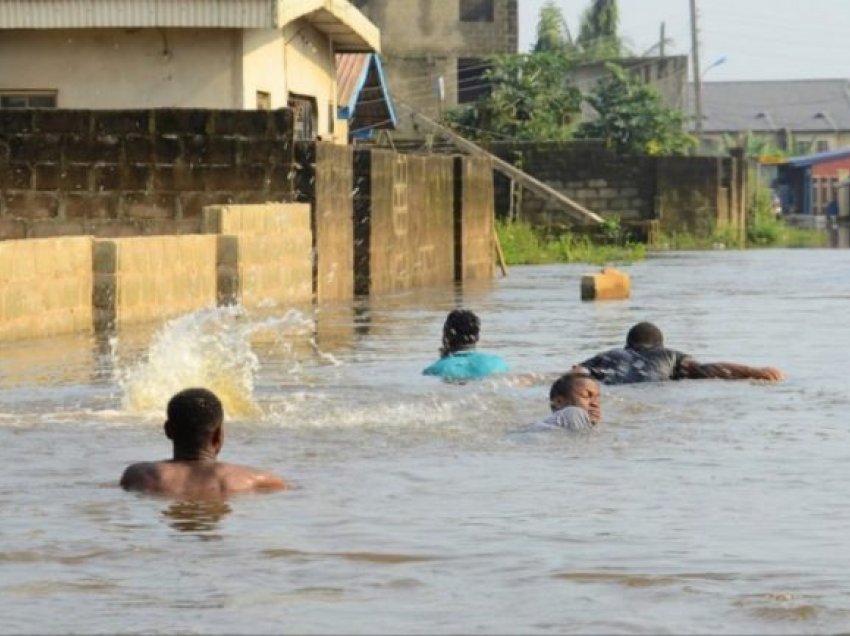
(239,478)
(142,476)
(201,480)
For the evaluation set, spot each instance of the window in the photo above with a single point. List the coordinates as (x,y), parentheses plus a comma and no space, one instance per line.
(476,10)
(304,116)
(28,99)
(802,147)
(822,145)
(264,100)
(471,82)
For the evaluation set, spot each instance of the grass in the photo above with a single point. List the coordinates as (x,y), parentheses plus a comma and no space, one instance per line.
(523,246)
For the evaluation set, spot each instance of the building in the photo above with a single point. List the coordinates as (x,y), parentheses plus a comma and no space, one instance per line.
(363,98)
(808,185)
(434,50)
(798,117)
(668,75)
(223,54)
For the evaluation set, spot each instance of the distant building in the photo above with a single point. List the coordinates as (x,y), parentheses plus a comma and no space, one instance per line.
(228,54)
(434,50)
(808,185)
(667,75)
(796,116)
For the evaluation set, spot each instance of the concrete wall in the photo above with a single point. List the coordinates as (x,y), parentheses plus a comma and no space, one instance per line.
(403,221)
(146,278)
(264,253)
(125,173)
(683,194)
(474,230)
(45,287)
(326,181)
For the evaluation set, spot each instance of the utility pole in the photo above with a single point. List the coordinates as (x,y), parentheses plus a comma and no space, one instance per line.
(697,78)
(661,42)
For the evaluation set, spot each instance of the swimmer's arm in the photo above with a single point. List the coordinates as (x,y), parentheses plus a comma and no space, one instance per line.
(729,371)
(270,481)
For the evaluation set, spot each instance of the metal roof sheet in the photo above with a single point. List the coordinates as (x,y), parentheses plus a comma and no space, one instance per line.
(763,106)
(64,14)
(341,21)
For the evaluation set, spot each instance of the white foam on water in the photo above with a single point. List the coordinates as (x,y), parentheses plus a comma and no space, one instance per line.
(210,348)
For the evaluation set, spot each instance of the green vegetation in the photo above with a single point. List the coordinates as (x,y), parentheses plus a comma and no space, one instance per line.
(553,35)
(765,230)
(632,118)
(597,37)
(530,100)
(522,245)
(532,97)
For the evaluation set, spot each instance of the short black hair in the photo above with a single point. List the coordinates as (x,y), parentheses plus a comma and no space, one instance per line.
(643,336)
(563,386)
(460,330)
(194,414)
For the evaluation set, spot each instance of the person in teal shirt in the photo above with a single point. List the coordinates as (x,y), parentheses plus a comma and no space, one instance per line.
(458,358)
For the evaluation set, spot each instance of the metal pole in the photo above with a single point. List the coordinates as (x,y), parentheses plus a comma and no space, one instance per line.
(697,78)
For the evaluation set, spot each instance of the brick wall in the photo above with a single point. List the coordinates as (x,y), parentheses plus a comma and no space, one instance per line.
(326,180)
(473,219)
(131,172)
(684,194)
(45,287)
(264,253)
(138,279)
(403,220)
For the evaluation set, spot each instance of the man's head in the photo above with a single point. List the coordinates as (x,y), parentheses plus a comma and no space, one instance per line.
(644,335)
(195,418)
(577,388)
(460,331)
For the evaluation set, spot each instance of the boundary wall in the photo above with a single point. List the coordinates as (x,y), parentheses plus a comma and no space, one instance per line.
(45,287)
(144,278)
(136,172)
(264,253)
(671,194)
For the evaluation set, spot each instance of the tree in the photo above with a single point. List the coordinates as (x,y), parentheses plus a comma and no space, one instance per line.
(632,119)
(553,34)
(531,99)
(598,37)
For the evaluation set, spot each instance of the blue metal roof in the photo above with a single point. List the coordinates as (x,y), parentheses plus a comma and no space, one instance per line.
(805,161)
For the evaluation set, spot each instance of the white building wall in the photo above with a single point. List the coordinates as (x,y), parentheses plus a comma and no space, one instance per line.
(263,67)
(133,68)
(311,70)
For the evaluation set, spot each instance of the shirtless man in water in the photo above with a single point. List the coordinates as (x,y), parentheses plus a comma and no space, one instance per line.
(195,426)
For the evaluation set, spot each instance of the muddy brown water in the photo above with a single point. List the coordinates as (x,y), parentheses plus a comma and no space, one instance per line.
(696,507)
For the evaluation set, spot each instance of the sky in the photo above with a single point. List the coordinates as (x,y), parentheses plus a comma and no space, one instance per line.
(759,39)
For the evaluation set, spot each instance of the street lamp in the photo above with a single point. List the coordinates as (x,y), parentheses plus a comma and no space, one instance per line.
(720,60)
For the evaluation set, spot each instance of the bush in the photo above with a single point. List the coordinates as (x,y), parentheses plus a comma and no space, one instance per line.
(522,245)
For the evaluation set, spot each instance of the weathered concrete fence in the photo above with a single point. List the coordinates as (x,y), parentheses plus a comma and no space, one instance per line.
(45,287)
(132,172)
(676,194)
(367,221)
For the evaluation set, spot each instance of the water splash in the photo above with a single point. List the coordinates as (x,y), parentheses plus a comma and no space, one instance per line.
(209,348)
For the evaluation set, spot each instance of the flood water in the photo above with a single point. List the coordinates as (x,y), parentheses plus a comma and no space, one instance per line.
(696,507)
